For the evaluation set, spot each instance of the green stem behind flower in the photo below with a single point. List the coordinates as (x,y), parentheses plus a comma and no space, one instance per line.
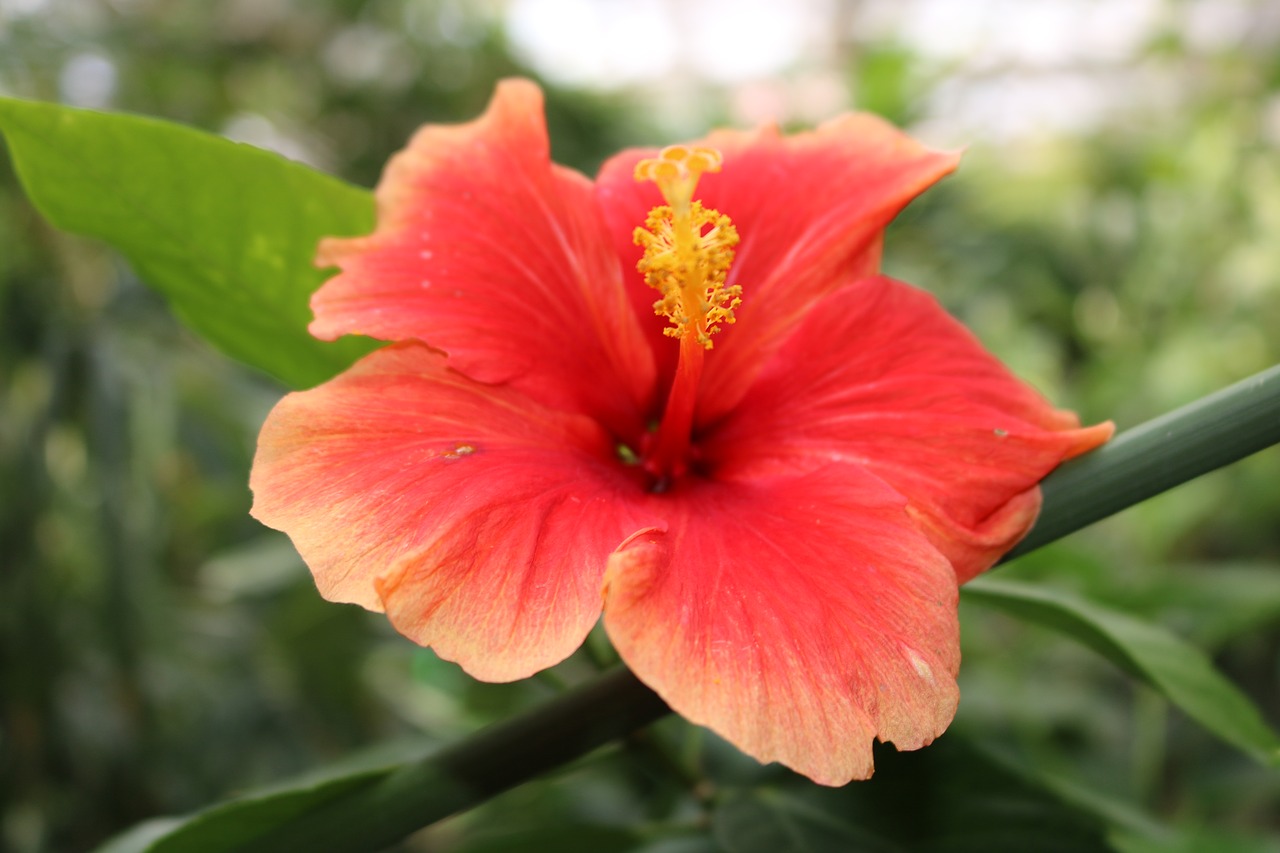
(1153,457)
(1138,464)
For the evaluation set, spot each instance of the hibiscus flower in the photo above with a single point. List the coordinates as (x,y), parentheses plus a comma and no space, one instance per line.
(680,395)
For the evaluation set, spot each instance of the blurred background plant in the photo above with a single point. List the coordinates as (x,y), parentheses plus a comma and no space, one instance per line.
(1113,234)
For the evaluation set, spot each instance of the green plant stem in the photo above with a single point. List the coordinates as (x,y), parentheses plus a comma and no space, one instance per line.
(1138,464)
(1156,456)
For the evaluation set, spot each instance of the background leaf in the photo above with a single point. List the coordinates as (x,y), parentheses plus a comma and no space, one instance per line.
(224,230)
(1177,670)
(552,837)
(950,797)
(241,821)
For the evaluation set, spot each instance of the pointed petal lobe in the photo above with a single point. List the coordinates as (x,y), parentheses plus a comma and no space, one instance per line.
(879,375)
(478,520)
(810,209)
(488,251)
(800,618)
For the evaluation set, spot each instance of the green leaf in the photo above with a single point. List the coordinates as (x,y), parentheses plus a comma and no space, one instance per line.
(1180,672)
(239,822)
(950,797)
(225,231)
(141,837)
(779,821)
(556,836)
(230,825)
(1218,601)
(371,802)
(1196,840)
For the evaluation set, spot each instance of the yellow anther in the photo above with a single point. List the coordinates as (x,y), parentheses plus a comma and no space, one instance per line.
(659,171)
(676,170)
(688,248)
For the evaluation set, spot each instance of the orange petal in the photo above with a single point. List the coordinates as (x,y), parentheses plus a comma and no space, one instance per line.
(486,250)
(879,375)
(478,520)
(810,210)
(800,618)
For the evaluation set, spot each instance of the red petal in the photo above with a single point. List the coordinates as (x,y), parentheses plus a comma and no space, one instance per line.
(478,520)
(797,617)
(810,209)
(486,250)
(879,375)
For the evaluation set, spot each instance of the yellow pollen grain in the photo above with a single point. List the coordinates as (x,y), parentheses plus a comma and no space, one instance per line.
(688,248)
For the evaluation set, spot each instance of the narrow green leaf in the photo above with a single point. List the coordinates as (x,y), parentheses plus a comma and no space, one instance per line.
(233,824)
(772,820)
(1179,671)
(1196,840)
(1123,819)
(141,837)
(556,835)
(950,797)
(230,825)
(1227,599)
(225,231)
(357,807)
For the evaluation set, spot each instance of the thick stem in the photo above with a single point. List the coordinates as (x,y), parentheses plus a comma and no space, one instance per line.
(1155,456)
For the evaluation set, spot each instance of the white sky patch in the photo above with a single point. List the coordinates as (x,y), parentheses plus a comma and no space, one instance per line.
(1217,24)
(1017,67)
(260,132)
(88,80)
(1012,66)
(735,40)
(1001,32)
(21,8)
(611,43)
(942,29)
(594,43)
(1011,105)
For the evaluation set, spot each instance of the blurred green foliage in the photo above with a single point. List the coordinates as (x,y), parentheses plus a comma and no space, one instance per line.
(159,649)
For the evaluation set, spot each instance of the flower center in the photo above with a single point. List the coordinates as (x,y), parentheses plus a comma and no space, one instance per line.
(688,250)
